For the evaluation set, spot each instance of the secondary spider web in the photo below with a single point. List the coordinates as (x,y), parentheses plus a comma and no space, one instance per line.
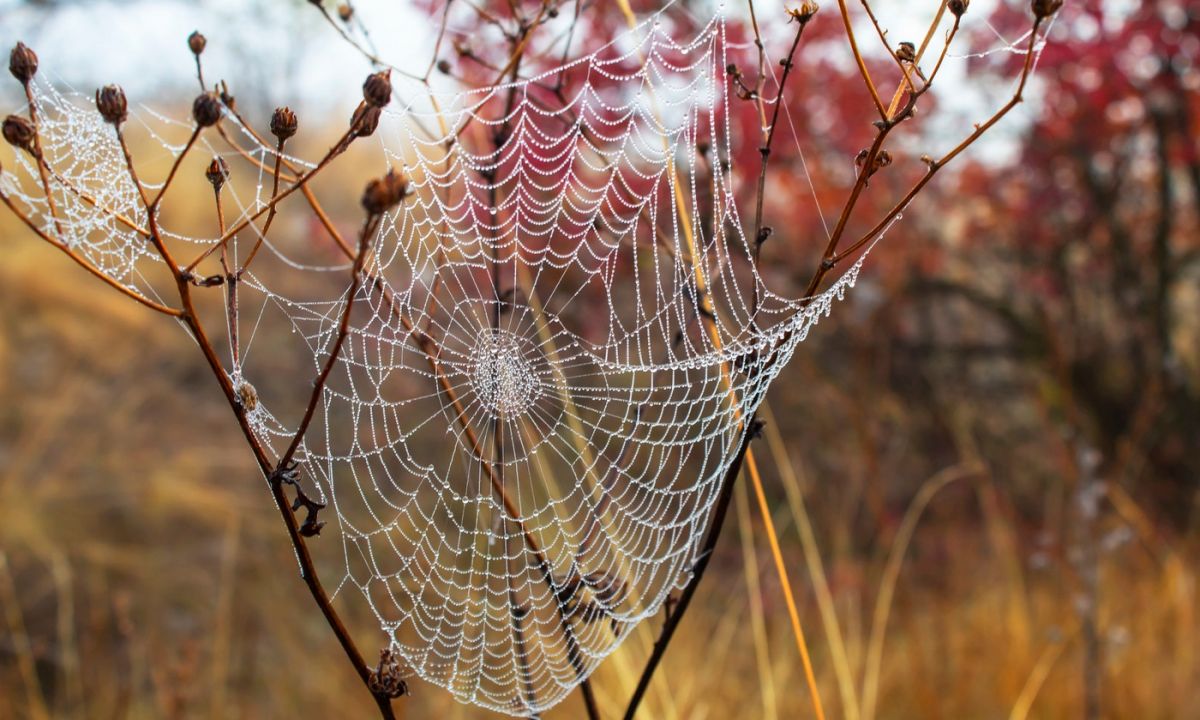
(551,362)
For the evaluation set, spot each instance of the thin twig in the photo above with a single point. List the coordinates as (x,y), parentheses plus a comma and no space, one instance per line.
(85,264)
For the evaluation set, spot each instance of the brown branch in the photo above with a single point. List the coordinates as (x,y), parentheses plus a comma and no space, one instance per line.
(37,153)
(308,570)
(832,258)
(174,169)
(858,59)
(340,147)
(85,264)
(765,149)
(262,236)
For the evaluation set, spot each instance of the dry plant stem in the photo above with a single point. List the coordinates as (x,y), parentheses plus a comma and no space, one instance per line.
(1037,677)
(893,116)
(90,200)
(816,568)
(86,265)
(858,58)
(781,569)
(37,152)
(429,347)
(171,176)
(190,319)
(904,69)
(764,150)
(680,607)
(891,574)
(370,56)
(708,319)
(832,257)
(301,182)
(270,216)
(258,164)
(231,296)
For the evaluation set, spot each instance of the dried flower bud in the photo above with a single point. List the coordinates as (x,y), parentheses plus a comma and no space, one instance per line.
(197,42)
(382,194)
(906,52)
(377,89)
(110,101)
(217,173)
(22,63)
(804,13)
(958,8)
(1045,8)
(20,133)
(283,123)
(206,110)
(345,12)
(365,120)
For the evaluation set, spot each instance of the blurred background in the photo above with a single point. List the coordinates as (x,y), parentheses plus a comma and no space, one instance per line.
(984,468)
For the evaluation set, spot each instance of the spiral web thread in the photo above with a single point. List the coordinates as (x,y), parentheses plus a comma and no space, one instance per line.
(605,381)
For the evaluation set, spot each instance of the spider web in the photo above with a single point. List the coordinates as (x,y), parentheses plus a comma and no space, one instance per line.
(550,364)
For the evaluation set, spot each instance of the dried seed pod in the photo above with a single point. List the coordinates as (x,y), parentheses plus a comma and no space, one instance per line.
(22,63)
(958,8)
(217,173)
(383,194)
(20,133)
(110,101)
(804,13)
(206,110)
(197,42)
(345,12)
(443,66)
(365,120)
(1045,8)
(283,123)
(377,88)
(906,52)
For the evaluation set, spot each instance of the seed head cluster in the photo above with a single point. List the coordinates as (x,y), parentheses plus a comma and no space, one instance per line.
(383,194)
(206,110)
(283,123)
(377,88)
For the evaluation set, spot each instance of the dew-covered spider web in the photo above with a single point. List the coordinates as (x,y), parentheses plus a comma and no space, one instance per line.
(551,361)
